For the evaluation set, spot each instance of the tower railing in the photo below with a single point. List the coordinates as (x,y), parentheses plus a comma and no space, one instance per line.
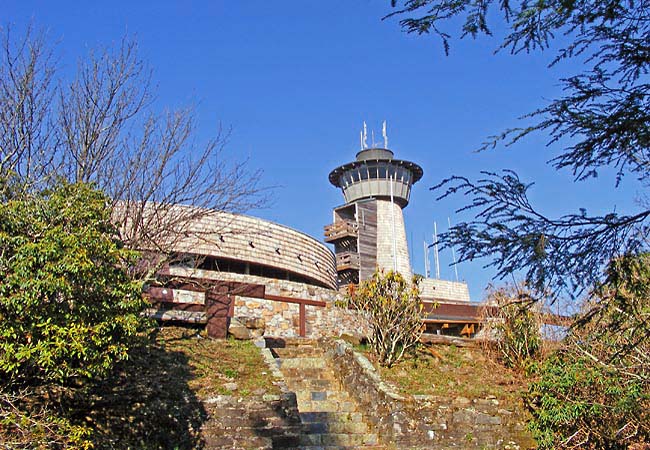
(347,260)
(340,230)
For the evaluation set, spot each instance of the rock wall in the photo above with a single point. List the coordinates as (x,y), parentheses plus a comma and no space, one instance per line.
(282,319)
(426,421)
(262,422)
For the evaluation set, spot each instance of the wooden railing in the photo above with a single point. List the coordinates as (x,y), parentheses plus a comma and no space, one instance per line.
(340,230)
(347,260)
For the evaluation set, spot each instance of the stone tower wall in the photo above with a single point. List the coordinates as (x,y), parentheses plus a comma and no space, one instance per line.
(385,211)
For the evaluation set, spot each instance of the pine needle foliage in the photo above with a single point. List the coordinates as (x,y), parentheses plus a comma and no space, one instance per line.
(594,393)
(598,124)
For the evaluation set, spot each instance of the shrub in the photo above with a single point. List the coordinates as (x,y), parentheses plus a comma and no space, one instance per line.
(595,391)
(28,421)
(514,326)
(392,307)
(68,309)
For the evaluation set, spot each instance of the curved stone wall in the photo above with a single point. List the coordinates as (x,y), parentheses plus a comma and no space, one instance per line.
(260,242)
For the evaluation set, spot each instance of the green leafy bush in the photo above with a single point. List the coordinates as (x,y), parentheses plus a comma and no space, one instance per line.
(68,308)
(391,306)
(594,392)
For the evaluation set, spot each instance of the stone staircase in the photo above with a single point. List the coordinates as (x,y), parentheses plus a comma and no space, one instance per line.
(330,417)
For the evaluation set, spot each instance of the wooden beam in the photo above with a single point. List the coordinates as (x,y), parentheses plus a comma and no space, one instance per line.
(299,301)
(303,321)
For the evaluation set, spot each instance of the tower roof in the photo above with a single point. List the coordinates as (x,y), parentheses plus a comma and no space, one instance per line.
(378,155)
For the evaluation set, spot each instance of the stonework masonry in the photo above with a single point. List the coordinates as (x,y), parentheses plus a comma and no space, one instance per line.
(386,213)
(426,421)
(282,318)
(433,289)
(250,239)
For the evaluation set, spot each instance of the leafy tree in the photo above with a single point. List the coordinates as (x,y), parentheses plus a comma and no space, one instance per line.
(602,119)
(595,391)
(68,308)
(392,309)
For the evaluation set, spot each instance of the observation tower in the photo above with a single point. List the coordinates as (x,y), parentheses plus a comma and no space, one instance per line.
(368,230)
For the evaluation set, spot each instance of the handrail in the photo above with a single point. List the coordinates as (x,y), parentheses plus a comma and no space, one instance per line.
(340,229)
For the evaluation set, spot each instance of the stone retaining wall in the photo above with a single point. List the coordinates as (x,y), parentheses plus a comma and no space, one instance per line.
(263,421)
(260,422)
(426,421)
(282,319)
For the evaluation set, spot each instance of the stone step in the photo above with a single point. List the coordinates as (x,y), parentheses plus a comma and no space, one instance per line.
(296,352)
(330,417)
(296,373)
(326,439)
(348,439)
(320,396)
(302,363)
(289,342)
(327,406)
(319,384)
(336,427)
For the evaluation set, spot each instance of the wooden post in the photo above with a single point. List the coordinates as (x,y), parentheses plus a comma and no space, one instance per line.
(217,307)
(303,320)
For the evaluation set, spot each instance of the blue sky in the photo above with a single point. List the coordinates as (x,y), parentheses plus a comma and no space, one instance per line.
(296,79)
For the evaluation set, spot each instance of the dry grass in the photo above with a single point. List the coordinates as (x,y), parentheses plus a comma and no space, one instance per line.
(464,372)
(214,363)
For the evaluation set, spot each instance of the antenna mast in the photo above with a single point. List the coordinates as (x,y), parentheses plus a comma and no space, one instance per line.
(392,214)
(426,259)
(435,249)
(364,142)
(453,252)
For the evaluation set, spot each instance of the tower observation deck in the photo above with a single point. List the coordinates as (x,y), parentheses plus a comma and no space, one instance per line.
(373,174)
(368,230)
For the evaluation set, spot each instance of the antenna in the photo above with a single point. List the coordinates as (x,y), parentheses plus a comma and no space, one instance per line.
(373,137)
(453,252)
(426,259)
(364,143)
(361,138)
(435,249)
(392,214)
(384,134)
